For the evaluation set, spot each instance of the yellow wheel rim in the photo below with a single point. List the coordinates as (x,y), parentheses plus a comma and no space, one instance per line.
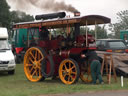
(85,75)
(68,71)
(32,64)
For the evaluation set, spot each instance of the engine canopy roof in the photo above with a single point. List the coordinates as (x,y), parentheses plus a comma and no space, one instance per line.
(63,22)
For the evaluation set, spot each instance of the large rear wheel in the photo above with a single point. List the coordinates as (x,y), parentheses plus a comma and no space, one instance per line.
(32,64)
(69,71)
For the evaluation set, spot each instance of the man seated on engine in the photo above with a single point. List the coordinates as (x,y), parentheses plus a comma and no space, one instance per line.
(44,34)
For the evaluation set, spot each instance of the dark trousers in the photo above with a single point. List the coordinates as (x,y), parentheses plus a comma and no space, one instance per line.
(95,71)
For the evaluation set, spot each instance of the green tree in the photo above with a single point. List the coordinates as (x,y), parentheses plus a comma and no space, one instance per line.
(122,23)
(101,32)
(111,35)
(4,14)
(18,16)
(83,30)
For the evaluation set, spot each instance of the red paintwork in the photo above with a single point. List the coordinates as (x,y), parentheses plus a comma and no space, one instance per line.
(50,44)
(57,60)
(77,50)
(80,39)
(54,44)
(43,44)
(92,48)
(48,66)
(19,49)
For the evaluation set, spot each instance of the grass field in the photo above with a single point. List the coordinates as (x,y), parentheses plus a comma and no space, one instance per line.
(18,85)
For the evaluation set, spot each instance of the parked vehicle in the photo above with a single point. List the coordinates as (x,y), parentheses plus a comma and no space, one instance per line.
(111,45)
(124,36)
(48,54)
(7,60)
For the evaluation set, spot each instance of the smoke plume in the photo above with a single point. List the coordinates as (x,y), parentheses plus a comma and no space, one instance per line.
(50,5)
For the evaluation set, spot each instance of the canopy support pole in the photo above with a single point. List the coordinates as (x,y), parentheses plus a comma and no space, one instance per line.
(86,34)
(95,30)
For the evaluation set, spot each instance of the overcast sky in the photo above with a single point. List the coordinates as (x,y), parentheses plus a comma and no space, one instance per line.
(107,8)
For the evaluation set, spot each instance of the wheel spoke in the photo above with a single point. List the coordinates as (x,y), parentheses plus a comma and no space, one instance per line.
(64,75)
(87,77)
(39,67)
(34,72)
(36,55)
(32,55)
(73,73)
(40,60)
(63,70)
(28,65)
(40,72)
(31,68)
(31,60)
(65,67)
(70,65)
(69,78)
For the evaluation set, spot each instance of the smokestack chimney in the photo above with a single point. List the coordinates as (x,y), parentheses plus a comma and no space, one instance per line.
(76,13)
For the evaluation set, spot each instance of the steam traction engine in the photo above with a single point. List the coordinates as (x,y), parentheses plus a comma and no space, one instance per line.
(50,54)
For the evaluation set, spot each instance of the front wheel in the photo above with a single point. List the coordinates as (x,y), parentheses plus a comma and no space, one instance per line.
(69,71)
